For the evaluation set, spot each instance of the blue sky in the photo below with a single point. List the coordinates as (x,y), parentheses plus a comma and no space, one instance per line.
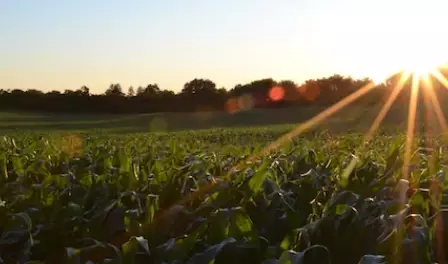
(58,45)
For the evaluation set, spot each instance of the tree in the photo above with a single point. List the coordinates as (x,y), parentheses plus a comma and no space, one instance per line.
(198,86)
(131,92)
(140,91)
(85,90)
(34,92)
(291,90)
(114,90)
(151,90)
(54,93)
(201,94)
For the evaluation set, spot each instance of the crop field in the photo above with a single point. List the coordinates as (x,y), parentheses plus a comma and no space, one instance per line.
(214,196)
(355,118)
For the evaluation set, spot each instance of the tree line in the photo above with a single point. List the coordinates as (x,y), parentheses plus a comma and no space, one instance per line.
(202,95)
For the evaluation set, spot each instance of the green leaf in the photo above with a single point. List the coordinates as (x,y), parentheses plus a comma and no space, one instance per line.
(372,259)
(183,246)
(3,168)
(130,248)
(73,255)
(289,241)
(290,257)
(219,227)
(270,261)
(86,180)
(256,181)
(341,209)
(243,222)
(314,254)
(243,226)
(26,219)
(417,200)
(125,161)
(343,197)
(17,165)
(151,207)
(75,209)
(345,177)
(210,254)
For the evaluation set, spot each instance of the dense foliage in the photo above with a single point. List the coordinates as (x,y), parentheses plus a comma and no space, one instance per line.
(201,95)
(180,198)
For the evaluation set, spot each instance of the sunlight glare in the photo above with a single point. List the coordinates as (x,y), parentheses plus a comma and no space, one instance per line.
(420,68)
(423,61)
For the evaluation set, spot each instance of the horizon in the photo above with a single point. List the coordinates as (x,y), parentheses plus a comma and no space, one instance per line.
(63,46)
(228,89)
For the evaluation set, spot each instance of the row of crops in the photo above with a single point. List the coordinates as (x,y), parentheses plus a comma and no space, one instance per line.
(206,197)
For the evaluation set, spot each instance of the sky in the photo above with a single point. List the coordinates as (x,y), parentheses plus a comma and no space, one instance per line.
(58,45)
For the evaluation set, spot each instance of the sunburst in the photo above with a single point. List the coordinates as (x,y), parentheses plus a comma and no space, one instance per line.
(420,71)
(420,66)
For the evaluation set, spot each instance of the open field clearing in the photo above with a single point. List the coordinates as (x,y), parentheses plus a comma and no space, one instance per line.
(212,196)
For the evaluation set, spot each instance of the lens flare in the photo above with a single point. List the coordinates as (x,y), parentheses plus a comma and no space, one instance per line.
(246,102)
(232,106)
(276,93)
(321,116)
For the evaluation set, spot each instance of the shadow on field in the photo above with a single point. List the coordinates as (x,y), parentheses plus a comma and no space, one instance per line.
(353,118)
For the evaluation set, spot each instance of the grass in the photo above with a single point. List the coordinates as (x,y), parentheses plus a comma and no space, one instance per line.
(76,189)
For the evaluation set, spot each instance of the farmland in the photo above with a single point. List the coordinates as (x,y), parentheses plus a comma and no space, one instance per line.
(355,118)
(72,193)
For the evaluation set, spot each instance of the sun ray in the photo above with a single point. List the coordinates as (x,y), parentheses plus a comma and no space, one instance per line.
(411,126)
(320,117)
(299,129)
(337,107)
(428,124)
(403,184)
(439,76)
(310,123)
(386,107)
(434,102)
(376,123)
(334,109)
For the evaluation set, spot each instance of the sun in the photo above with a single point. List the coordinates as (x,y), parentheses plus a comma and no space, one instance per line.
(420,66)
(422,60)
